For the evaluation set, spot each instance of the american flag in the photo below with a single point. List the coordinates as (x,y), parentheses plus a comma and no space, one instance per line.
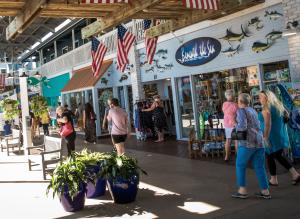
(2,80)
(150,43)
(103,1)
(98,52)
(201,4)
(125,41)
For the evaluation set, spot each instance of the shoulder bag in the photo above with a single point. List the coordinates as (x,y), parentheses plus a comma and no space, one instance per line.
(239,135)
(66,129)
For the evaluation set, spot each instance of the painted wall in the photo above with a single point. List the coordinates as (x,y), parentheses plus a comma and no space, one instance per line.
(166,50)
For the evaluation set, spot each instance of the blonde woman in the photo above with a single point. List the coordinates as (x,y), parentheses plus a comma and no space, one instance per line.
(229,109)
(275,135)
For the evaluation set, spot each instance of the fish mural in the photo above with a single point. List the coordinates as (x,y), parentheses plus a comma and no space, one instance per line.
(104,81)
(274,35)
(231,51)
(161,52)
(260,47)
(230,36)
(273,15)
(150,69)
(123,78)
(256,22)
(44,81)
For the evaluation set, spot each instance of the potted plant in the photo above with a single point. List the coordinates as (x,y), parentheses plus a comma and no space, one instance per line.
(10,108)
(122,174)
(38,105)
(68,182)
(92,161)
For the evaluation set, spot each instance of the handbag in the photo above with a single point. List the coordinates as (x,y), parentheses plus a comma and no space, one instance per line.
(66,129)
(239,135)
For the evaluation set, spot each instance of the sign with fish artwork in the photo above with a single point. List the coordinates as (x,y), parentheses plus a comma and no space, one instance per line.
(198,51)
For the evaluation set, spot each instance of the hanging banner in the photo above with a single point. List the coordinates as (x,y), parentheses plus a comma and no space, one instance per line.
(198,51)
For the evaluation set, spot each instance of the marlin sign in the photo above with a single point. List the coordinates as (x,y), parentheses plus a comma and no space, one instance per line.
(198,51)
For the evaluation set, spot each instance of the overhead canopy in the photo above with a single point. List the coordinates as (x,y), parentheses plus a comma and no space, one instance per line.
(84,78)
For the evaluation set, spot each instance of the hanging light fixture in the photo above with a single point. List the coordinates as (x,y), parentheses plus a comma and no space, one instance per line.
(37,74)
(24,75)
(10,76)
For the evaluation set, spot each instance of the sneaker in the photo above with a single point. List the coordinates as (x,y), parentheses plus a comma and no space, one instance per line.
(261,195)
(94,142)
(85,142)
(239,195)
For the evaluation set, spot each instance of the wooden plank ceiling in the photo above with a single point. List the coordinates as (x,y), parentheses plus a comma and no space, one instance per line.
(25,13)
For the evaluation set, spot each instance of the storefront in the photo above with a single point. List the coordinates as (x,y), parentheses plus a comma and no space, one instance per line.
(244,52)
(52,89)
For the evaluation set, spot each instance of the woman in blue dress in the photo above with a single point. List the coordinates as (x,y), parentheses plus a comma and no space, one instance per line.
(275,135)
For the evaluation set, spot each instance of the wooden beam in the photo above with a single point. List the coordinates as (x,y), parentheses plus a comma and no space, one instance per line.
(124,14)
(30,11)
(194,16)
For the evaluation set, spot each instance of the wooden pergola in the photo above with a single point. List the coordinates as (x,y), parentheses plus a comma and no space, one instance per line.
(23,13)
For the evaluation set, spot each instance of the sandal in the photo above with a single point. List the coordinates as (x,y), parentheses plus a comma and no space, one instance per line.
(296,181)
(273,184)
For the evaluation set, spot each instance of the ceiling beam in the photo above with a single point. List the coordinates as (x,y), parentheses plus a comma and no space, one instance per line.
(30,11)
(126,13)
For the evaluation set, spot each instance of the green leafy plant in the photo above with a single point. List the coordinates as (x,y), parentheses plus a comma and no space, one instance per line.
(10,108)
(68,176)
(91,158)
(38,105)
(123,166)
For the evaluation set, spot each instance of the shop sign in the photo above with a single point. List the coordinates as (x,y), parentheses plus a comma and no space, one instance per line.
(198,51)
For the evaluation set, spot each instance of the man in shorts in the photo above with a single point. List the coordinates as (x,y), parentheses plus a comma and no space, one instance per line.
(120,126)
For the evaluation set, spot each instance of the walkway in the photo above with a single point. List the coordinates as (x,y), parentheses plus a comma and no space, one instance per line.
(175,188)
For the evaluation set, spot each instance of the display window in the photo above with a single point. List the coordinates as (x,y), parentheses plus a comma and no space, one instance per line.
(210,93)
(275,72)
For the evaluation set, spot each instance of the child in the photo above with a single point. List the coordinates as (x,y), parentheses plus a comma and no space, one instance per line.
(7,128)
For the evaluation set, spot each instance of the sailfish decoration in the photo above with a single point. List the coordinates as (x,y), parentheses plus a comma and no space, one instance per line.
(44,81)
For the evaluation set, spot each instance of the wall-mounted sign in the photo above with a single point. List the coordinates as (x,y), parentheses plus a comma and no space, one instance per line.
(198,51)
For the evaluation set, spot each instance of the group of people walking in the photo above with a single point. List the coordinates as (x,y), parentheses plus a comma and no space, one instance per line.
(266,137)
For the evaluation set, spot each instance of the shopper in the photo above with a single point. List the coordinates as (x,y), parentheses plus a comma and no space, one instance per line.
(89,124)
(45,120)
(79,116)
(7,128)
(275,134)
(65,119)
(107,125)
(229,109)
(35,125)
(250,149)
(159,117)
(120,126)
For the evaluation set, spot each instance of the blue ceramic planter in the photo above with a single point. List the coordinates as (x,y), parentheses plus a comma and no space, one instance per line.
(75,204)
(94,191)
(123,191)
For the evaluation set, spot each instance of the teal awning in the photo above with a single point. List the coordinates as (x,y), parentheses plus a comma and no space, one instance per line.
(55,85)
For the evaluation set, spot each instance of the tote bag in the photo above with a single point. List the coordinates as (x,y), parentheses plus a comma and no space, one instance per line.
(66,130)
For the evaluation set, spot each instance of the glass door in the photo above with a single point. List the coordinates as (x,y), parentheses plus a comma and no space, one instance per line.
(185,106)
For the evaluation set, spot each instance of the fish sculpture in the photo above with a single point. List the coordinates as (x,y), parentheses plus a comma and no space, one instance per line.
(169,66)
(104,81)
(150,70)
(123,78)
(273,15)
(260,47)
(162,52)
(230,36)
(256,22)
(44,81)
(142,64)
(274,35)
(231,51)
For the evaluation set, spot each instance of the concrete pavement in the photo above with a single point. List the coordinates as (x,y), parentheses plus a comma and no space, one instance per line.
(175,188)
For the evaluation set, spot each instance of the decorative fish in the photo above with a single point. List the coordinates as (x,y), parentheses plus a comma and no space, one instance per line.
(150,69)
(142,64)
(230,36)
(169,66)
(273,15)
(123,78)
(274,35)
(231,51)
(164,57)
(260,47)
(162,52)
(256,22)
(104,81)
(286,97)
(32,81)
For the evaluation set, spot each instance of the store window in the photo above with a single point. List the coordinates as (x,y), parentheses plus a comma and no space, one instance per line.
(186,114)
(150,90)
(103,96)
(276,72)
(210,89)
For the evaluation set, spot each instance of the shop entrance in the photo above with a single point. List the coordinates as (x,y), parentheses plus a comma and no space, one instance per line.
(103,96)
(164,90)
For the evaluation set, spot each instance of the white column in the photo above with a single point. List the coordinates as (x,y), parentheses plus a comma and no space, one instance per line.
(25,114)
(55,49)
(176,110)
(115,92)
(73,38)
(291,11)
(96,109)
